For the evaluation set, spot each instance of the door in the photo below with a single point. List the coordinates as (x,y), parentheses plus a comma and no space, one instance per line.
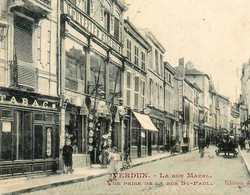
(139,143)
(149,144)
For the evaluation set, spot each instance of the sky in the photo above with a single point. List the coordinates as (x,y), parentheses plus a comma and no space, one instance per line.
(214,35)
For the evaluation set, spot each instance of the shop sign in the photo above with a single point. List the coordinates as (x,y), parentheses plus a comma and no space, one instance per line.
(23,101)
(48,151)
(180,95)
(157,114)
(81,19)
(6,128)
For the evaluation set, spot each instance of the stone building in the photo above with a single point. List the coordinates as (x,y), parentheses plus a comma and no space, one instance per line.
(29,87)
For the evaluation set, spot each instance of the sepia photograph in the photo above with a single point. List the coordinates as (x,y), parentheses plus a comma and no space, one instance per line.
(103,97)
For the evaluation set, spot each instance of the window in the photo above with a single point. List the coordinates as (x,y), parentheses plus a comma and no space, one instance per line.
(23,52)
(156,62)
(143,60)
(97,69)
(150,91)
(38,145)
(135,132)
(117,28)
(128,88)
(142,94)
(49,48)
(136,55)
(161,65)
(129,50)
(6,140)
(155,96)
(136,93)
(107,21)
(143,138)
(75,64)
(170,78)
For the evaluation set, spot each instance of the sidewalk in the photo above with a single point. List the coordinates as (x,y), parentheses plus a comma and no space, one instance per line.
(26,184)
(246,157)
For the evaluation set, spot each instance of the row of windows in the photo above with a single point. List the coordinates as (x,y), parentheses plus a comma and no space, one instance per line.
(139,58)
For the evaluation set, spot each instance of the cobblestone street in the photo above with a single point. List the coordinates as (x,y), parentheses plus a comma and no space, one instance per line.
(182,174)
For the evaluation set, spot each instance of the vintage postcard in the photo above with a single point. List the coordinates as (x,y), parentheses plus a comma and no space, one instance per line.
(124,97)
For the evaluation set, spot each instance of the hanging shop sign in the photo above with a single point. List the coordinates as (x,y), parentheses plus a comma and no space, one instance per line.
(25,101)
(180,86)
(81,19)
(48,142)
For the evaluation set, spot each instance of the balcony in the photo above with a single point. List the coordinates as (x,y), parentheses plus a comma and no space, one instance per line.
(36,9)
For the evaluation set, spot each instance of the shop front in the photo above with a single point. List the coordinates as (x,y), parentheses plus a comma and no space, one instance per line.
(160,139)
(29,133)
(142,132)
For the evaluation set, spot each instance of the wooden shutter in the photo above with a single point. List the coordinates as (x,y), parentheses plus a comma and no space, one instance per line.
(26,72)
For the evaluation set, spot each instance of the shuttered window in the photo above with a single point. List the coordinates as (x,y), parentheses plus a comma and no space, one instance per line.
(23,39)
(128,88)
(136,93)
(23,52)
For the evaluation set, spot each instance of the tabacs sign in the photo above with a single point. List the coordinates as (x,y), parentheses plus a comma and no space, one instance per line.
(23,101)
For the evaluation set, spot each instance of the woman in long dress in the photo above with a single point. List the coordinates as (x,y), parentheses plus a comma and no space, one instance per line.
(113,168)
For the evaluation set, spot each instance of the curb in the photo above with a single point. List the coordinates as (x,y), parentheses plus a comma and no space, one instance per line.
(245,162)
(47,186)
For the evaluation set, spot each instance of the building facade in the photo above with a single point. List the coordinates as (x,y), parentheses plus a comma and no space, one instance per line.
(29,95)
(245,99)
(135,84)
(155,79)
(92,65)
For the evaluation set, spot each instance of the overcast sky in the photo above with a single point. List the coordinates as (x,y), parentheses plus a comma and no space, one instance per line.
(214,35)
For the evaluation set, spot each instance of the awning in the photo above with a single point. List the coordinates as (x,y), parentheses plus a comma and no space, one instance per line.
(145,122)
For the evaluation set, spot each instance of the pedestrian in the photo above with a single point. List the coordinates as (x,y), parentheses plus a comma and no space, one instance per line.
(241,142)
(207,141)
(67,156)
(201,145)
(247,145)
(113,168)
(172,145)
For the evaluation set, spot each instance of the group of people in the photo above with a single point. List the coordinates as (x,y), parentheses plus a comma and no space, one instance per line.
(109,157)
(244,143)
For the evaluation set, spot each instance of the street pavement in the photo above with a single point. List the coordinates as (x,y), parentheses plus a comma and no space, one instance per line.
(182,174)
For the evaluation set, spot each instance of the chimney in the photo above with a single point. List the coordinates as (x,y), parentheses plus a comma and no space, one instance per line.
(189,65)
(181,68)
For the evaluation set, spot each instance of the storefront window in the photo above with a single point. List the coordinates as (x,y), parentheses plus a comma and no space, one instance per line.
(38,144)
(73,131)
(97,69)
(160,125)
(26,137)
(135,132)
(143,138)
(135,137)
(75,65)
(6,140)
